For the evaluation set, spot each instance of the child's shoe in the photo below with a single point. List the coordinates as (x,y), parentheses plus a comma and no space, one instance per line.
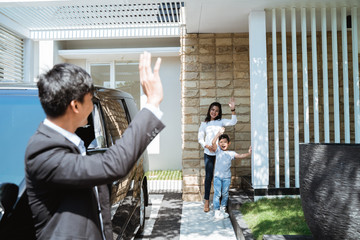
(223,212)
(218,215)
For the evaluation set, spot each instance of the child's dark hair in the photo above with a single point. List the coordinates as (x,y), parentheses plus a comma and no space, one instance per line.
(222,136)
(208,117)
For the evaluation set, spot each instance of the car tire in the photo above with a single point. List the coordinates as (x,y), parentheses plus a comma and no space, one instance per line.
(143,191)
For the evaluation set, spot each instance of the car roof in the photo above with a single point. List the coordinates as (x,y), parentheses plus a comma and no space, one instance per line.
(31,88)
(109,92)
(10,85)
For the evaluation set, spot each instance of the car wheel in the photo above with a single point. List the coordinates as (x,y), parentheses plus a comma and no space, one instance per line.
(142,208)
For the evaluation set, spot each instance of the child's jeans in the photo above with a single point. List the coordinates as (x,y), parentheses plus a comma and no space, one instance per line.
(221,189)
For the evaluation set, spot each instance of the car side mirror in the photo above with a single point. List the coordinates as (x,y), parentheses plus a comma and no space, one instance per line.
(8,196)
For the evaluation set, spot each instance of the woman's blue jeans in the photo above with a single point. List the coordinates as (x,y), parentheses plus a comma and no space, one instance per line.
(221,189)
(209,173)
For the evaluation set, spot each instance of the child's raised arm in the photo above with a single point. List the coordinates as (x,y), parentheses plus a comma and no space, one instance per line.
(244,155)
(221,131)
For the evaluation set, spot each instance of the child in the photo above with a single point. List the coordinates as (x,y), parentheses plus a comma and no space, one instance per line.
(222,174)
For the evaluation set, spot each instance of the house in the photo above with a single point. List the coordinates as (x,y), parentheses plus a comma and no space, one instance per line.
(211,50)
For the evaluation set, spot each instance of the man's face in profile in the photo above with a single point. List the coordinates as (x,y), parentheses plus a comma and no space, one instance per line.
(85,108)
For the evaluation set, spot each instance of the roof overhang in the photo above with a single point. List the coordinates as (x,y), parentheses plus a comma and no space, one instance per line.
(106,19)
(92,19)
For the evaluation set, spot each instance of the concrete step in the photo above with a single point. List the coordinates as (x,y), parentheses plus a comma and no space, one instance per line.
(160,186)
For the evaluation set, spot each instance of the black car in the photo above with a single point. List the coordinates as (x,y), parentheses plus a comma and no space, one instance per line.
(21,114)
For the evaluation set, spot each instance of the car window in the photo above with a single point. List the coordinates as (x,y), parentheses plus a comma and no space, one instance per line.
(116,119)
(99,140)
(20,117)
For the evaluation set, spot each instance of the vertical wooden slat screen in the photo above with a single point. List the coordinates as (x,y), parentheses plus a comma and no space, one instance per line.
(320,100)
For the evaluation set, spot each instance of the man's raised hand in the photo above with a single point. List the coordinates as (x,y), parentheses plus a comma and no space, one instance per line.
(149,80)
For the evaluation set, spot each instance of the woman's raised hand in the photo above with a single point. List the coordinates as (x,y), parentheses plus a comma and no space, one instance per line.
(232,103)
(222,130)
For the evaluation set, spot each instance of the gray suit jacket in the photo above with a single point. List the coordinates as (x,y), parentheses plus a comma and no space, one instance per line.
(60,181)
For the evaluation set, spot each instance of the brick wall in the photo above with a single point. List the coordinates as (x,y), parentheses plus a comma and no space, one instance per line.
(214,67)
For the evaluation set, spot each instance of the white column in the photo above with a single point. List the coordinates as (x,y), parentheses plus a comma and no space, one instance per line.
(28,60)
(335,75)
(315,76)
(258,90)
(295,96)
(355,54)
(305,76)
(276,107)
(345,64)
(285,100)
(46,55)
(325,76)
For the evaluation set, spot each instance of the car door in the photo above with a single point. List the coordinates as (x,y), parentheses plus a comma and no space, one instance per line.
(109,120)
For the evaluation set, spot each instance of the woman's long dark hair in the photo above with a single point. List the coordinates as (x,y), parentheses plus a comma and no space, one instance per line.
(208,117)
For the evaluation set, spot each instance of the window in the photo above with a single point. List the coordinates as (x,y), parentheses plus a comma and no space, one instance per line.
(100,73)
(11,56)
(122,75)
(127,79)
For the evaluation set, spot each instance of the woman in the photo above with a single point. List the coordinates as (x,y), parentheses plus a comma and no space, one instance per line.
(207,132)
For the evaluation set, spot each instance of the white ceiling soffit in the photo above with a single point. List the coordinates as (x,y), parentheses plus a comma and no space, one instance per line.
(95,19)
(231,16)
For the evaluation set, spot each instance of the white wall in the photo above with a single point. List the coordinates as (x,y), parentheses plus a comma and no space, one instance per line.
(170,154)
(79,62)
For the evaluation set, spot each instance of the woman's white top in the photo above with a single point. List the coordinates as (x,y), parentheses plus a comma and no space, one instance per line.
(208,130)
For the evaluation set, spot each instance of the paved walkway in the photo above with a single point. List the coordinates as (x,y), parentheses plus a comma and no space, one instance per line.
(168,217)
(196,224)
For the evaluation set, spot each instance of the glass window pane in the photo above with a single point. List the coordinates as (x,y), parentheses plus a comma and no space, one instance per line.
(100,73)
(127,79)
(93,133)
(98,129)
(115,119)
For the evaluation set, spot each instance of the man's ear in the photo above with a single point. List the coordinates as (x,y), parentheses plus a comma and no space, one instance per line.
(74,106)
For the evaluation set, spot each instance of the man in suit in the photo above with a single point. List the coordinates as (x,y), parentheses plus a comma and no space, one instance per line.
(67,190)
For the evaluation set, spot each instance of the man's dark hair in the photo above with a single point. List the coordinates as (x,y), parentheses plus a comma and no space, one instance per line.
(62,84)
(208,117)
(222,136)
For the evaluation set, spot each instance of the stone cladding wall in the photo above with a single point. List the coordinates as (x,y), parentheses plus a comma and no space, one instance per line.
(214,67)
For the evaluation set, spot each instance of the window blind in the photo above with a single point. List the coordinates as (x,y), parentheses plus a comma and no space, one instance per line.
(11,56)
